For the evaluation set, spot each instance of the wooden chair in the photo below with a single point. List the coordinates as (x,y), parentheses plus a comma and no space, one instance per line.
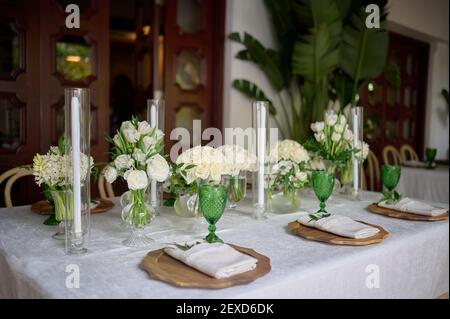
(13,174)
(105,189)
(391,156)
(373,172)
(408,153)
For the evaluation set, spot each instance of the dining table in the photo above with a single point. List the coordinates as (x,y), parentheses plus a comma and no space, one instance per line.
(425,183)
(412,262)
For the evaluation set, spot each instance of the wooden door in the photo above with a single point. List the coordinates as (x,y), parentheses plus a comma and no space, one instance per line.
(194,37)
(397,117)
(45,57)
(19,91)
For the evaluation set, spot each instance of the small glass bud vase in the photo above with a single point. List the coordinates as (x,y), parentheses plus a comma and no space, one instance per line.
(356,125)
(137,215)
(187,205)
(237,188)
(284,202)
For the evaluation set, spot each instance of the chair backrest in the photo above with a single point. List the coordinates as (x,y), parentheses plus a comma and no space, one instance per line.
(20,172)
(9,173)
(105,189)
(391,156)
(373,170)
(408,153)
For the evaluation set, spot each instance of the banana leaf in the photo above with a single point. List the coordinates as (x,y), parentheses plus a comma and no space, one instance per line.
(252,91)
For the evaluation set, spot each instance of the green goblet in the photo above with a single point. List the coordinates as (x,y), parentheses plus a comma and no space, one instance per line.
(212,200)
(323,184)
(390,174)
(430,153)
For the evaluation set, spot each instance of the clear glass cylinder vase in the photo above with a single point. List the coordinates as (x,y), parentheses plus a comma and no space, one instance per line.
(78,165)
(356,123)
(59,208)
(260,114)
(156,119)
(284,202)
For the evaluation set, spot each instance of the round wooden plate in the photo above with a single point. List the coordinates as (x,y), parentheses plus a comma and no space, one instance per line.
(43,207)
(312,233)
(163,267)
(374,208)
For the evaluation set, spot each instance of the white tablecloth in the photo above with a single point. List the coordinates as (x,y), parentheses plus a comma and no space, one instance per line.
(412,263)
(428,184)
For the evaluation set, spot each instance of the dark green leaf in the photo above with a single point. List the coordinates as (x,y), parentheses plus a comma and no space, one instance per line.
(252,91)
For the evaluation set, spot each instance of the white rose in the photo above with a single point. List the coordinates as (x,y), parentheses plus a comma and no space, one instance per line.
(125,175)
(110,174)
(148,143)
(190,176)
(301,176)
(342,119)
(123,161)
(348,135)
(339,128)
(158,168)
(336,137)
(202,171)
(331,118)
(319,136)
(284,167)
(137,180)
(131,135)
(144,128)
(159,134)
(138,155)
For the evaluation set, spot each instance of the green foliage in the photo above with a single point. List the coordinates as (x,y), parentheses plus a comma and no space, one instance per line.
(177,185)
(391,198)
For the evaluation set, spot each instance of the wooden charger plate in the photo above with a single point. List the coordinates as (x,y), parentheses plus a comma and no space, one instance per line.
(43,207)
(163,267)
(374,208)
(315,234)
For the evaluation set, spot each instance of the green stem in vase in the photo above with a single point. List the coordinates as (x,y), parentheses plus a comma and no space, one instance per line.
(237,193)
(138,214)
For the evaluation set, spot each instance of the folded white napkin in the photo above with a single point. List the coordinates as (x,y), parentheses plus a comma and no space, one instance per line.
(412,206)
(415,163)
(340,225)
(216,260)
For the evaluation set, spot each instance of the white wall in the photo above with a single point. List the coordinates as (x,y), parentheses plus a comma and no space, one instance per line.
(249,16)
(426,20)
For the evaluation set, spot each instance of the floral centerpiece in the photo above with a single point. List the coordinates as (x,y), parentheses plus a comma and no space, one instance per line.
(137,159)
(238,161)
(49,172)
(332,141)
(287,175)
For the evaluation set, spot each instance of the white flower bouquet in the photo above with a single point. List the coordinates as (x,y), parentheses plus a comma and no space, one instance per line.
(332,140)
(287,173)
(137,158)
(52,172)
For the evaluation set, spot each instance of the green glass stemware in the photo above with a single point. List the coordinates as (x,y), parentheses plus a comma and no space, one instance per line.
(390,175)
(323,184)
(212,200)
(430,153)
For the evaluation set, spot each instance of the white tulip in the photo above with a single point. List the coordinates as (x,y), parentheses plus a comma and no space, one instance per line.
(159,134)
(336,137)
(127,125)
(148,143)
(125,175)
(117,141)
(110,174)
(138,155)
(342,119)
(158,168)
(144,128)
(339,128)
(137,180)
(348,135)
(123,161)
(319,136)
(131,135)
(331,118)
(216,172)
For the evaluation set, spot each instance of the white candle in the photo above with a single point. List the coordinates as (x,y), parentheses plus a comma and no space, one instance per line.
(261,131)
(75,130)
(355,144)
(154,124)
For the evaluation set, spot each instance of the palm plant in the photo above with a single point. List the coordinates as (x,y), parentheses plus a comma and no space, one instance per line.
(324,50)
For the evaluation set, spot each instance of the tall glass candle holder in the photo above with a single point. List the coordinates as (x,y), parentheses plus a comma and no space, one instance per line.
(77,169)
(356,125)
(260,111)
(156,118)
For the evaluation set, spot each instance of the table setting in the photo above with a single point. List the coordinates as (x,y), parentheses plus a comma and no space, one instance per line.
(191,228)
